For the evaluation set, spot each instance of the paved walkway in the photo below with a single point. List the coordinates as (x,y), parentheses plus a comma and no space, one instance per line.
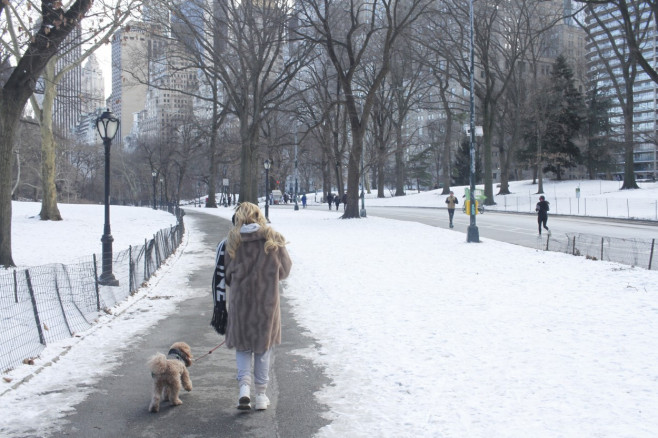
(119,405)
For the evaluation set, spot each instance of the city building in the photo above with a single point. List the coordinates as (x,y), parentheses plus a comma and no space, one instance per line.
(133,48)
(92,87)
(67,107)
(601,58)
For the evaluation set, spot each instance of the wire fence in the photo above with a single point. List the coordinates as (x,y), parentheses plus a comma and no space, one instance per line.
(632,252)
(44,304)
(627,208)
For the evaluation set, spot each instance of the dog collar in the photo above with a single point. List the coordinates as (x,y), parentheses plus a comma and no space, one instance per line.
(175,353)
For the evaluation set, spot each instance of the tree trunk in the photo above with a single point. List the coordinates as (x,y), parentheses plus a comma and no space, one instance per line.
(49,210)
(399,161)
(629,143)
(489,116)
(381,161)
(445,164)
(10,111)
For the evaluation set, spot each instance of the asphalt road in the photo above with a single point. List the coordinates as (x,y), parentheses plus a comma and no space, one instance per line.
(119,405)
(519,228)
(516,228)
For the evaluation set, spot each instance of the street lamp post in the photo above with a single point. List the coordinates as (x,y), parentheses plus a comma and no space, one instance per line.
(154,174)
(473,235)
(295,194)
(198,192)
(267,164)
(107,126)
(161,200)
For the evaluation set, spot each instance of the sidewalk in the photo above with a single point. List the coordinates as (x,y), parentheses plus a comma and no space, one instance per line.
(118,405)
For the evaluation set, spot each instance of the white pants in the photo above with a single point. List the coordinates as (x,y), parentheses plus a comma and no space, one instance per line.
(261,367)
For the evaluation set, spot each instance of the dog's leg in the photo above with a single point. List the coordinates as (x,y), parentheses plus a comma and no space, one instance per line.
(173,393)
(155,398)
(165,393)
(185,378)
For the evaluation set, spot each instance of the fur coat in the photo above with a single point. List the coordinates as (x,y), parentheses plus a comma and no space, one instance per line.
(254,313)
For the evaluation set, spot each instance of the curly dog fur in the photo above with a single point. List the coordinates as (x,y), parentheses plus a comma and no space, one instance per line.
(169,372)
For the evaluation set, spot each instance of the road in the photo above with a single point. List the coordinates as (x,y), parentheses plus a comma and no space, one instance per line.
(519,228)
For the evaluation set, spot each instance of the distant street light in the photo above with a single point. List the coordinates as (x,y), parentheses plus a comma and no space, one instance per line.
(154,174)
(107,126)
(267,164)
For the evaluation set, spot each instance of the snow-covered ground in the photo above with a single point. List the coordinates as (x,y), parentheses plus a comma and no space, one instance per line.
(432,336)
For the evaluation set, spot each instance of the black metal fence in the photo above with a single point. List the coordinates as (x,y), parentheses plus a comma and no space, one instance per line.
(632,252)
(43,304)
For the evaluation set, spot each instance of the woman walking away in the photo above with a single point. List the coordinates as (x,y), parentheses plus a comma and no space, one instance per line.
(542,214)
(256,260)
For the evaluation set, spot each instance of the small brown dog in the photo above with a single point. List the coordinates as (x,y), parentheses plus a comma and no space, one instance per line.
(168,373)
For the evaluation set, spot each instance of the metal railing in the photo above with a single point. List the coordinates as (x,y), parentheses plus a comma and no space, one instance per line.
(632,252)
(43,304)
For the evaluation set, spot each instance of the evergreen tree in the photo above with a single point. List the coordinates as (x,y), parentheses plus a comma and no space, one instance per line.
(598,153)
(566,120)
(461,171)
(418,168)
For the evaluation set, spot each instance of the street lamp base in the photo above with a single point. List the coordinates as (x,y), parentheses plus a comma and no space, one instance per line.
(296,207)
(108,279)
(473,235)
(362,212)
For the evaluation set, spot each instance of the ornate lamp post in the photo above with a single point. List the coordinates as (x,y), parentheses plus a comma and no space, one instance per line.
(154,174)
(107,126)
(267,164)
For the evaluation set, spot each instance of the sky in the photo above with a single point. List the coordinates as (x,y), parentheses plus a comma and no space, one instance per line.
(437,337)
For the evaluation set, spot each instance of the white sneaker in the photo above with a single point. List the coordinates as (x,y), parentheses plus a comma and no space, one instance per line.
(244,402)
(262,402)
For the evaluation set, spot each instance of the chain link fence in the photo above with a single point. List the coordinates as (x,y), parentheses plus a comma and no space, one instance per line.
(632,252)
(44,304)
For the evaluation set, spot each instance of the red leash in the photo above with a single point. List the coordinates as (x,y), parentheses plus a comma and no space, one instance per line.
(210,352)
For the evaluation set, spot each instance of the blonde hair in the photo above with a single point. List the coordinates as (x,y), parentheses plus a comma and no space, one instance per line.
(247,213)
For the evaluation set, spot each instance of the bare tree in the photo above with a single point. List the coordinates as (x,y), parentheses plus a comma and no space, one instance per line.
(56,24)
(358,36)
(610,33)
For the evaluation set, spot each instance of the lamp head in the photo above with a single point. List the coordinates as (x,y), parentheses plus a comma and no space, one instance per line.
(107,125)
(267,164)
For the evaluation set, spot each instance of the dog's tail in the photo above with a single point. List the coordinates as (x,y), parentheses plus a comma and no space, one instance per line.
(157,363)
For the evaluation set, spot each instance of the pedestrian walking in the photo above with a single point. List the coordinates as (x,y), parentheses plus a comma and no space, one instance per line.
(304,200)
(344,201)
(542,209)
(256,260)
(330,199)
(337,201)
(452,201)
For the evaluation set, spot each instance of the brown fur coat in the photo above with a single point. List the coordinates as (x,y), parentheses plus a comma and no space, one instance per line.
(254,313)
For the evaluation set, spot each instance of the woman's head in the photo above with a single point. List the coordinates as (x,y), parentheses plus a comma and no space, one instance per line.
(247,213)
(541,198)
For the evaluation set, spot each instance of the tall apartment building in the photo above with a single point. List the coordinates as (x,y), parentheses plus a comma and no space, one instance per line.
(645,91)
(169,101)
(68,105)
(133,47)
(92,87)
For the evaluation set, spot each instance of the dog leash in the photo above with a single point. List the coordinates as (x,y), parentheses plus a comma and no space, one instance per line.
(210,352)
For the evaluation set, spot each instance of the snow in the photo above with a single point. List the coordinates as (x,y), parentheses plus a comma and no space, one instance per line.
(435,337)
